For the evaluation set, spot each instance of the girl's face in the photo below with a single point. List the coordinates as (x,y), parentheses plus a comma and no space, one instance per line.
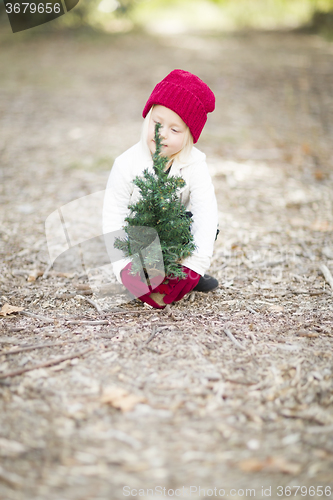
(172,130)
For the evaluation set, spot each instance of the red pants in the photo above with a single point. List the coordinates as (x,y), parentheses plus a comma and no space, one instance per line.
(174,288)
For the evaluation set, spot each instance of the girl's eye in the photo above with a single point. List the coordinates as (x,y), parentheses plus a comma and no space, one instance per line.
(174,130)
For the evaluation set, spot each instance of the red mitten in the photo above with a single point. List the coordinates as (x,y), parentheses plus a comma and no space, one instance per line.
(179,287)
(132,282)
(137,288)
(174,289)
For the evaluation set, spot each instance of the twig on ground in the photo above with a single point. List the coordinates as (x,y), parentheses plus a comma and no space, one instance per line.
(20,272)
(154,333)
(11,479)
(151,311)
(272,263)
(307,252)
(232,338)
(152,350)
(40,346)
(11,340)
(36,316)
(91,302)
(125,438)
(50,362)
(253,311)
(327,274)
(320,429)
(167,310)
(47,270)
(103,336)
(241,381)
(87,322)
(253,338)
(150,338)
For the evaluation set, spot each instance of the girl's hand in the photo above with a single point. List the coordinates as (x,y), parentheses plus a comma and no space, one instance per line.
(176,288)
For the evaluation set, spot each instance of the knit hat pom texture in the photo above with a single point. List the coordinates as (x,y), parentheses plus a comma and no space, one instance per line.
(186,95)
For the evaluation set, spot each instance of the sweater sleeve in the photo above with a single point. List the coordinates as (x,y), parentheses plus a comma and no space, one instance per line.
(205,217)
(115,209)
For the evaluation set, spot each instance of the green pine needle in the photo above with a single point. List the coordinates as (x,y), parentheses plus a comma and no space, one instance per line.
(158,208)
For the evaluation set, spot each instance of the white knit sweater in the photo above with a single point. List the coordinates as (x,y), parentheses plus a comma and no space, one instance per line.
(197,195)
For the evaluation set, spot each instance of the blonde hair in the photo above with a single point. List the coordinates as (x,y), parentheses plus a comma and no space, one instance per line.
(183,155)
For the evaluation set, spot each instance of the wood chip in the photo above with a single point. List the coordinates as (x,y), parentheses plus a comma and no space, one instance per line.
(327,274)
(8,309)
(120,398)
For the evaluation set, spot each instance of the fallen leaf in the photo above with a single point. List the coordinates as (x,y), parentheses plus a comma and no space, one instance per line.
(322,226)
(117,338)
(34,275)
(319,174)
(9,448)
(276,308)
(272,464)
(82,287)
(252,465)
(306,148)
(120,398)
(310,335)
(298,222)
(8,309)
(279,464)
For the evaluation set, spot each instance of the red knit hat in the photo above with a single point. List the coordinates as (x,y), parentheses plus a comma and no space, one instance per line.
(186,95)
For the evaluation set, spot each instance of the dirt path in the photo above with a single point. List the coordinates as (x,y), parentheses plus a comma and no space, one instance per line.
(250,411)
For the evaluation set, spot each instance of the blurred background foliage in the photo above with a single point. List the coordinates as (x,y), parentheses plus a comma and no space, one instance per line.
(176,16)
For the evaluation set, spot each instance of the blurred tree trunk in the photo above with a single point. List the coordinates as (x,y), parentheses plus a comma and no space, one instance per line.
(322,22)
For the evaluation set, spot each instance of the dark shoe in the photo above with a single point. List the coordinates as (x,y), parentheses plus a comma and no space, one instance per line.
(206,284)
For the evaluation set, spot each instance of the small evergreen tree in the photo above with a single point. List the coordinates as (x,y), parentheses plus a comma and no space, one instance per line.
(158,210)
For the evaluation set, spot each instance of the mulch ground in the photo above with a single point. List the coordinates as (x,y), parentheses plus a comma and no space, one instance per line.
(231,389)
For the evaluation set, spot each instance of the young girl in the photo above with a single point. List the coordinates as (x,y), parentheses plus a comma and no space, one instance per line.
(180,103)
